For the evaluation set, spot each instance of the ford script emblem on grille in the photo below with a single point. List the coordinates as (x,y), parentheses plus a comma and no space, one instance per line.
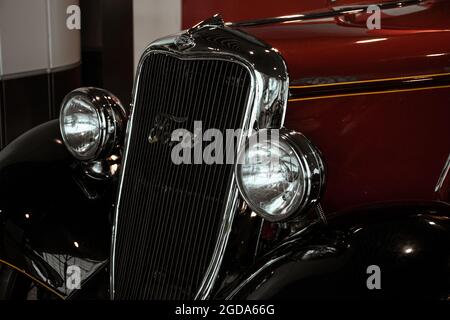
(161,130)
(184,42)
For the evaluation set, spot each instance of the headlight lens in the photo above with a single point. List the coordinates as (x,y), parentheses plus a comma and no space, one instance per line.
(279,173)
(91,122)
(81,127)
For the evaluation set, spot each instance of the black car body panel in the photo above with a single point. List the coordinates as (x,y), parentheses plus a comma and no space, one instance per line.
(51,216)
(410,243)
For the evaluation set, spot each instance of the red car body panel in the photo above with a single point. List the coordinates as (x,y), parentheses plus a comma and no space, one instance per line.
(389,146)
(194,11)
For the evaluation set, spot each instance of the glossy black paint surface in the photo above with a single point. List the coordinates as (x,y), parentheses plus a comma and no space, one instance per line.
(51,216)
(242,248)
(44,212)
(410,243)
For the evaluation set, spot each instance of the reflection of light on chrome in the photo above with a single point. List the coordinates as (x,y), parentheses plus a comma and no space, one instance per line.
(58,141)
(253,215)
(27,215)
(293,16)
(432,223)
(309,254)
(371,40)
(303,21)
(408,250)
(436,55)
(76,244)
(113,157)
(420,80)
(251,52)
(354,11)
(113,169)
(36,268)
(357,230)
(243,207)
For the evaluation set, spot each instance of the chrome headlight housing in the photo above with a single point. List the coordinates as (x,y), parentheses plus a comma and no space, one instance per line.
(92,121)
(279,174)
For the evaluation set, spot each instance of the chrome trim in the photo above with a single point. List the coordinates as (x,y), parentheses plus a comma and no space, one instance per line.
(313,169)
(221,244)
(334,12)
(292,238)
(254,275)
(265,109)
(112,116)
(443,175)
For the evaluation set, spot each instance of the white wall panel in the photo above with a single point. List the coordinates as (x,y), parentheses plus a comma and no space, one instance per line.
(65,44)
(24,35)
(1,59)
(34,36)
(152,20)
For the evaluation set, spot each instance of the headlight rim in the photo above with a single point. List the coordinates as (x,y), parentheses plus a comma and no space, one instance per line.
(309,158)
(111,116)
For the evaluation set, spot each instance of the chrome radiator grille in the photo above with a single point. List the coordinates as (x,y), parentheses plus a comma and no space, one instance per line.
(169,215)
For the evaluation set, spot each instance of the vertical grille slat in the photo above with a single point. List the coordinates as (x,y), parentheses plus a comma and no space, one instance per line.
(140,233)
(124,264)
(210,113)
(169,237)
(169,216)
(162,91)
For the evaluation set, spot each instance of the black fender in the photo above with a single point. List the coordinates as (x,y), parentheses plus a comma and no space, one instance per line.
(410,243)
(51,215)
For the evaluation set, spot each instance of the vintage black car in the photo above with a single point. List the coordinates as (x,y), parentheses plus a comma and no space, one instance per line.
(93,207)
